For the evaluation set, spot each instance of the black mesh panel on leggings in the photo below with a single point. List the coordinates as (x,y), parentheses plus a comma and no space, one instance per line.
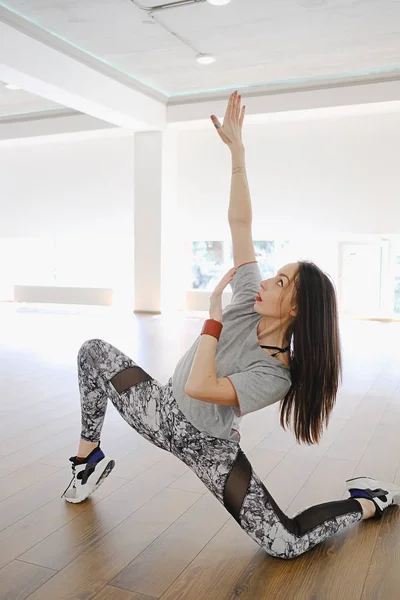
(128,378)
(236,488)
(237,484)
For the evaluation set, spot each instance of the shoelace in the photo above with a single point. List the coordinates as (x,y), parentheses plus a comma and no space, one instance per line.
(71,482)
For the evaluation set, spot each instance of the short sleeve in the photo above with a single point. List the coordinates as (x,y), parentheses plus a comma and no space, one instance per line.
(257,389)
(246,283)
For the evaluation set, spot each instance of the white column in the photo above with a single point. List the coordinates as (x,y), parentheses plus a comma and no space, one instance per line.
(173,279)
(160,284)
(147,221)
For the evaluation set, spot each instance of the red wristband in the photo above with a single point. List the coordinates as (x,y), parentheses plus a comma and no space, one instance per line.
(212,327)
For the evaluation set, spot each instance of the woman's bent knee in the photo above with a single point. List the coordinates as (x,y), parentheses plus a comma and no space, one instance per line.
(88,348)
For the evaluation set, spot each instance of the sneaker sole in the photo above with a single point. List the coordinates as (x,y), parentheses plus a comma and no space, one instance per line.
(391,487)
(103,476)
(360,480)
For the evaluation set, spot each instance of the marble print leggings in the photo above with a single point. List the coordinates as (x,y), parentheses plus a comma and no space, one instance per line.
(151,409)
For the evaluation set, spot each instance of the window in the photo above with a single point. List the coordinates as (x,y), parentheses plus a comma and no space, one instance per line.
(370,277)
(362,290)
(270,254)
(209,264)
(366,276)
(212,259)
(267,253)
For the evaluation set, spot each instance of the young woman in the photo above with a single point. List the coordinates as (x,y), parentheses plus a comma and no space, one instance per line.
(278,341)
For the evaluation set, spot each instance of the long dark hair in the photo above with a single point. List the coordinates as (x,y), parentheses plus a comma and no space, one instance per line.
(316,361)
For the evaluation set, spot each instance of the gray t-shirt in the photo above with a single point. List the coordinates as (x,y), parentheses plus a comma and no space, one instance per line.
(259,378)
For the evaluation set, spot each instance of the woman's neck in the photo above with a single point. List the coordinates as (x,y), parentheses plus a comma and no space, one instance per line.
(271,334)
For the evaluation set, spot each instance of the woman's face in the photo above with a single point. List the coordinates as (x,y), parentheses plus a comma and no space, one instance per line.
(276,294)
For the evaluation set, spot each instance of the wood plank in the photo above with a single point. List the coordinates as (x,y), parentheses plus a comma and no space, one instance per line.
(265,460)
(396,395)
(157,567)
(36,526)
(92,570)
(18,580)
(346,404)
(353,440)
(68,542)
(336,425)
(391,416)
(333,570)
(113,593)
(279,439)
(37,434)
(21,504)
(137,461)
(257,427)
(385,384)
(42,400)
(23,478)
(262,460)
(382,454)
(13,423)
(285,481)
(116,441)
(397,478)
(162,562)
(23,457)
(211,574)
(326,483)
(383,578)
(189,482)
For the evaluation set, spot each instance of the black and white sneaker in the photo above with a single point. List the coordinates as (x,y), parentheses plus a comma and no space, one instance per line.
(87,475)
(382,494)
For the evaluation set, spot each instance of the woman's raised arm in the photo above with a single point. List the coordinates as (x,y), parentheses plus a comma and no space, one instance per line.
(239,213)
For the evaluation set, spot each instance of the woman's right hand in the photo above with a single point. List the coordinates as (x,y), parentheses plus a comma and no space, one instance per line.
(230,131)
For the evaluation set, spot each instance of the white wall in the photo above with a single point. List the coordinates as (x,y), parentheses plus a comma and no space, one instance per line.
(309,176)
(79,192)
(67,187)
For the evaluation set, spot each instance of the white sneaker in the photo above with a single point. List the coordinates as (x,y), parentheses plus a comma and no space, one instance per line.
(87,476)
(382,494)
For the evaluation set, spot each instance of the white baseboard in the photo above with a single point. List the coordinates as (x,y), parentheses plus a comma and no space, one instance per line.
(63,295)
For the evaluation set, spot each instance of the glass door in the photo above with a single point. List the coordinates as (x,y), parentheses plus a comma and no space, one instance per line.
(395,279)
(362,281)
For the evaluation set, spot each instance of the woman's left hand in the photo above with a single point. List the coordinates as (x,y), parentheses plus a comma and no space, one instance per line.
(216,296)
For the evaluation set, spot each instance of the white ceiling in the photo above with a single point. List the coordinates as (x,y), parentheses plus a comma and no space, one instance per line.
(256,42)
(19,102)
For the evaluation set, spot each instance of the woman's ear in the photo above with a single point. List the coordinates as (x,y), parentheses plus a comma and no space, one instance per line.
(293,312)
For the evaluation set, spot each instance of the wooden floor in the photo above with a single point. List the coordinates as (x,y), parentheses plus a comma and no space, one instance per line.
(153,530)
